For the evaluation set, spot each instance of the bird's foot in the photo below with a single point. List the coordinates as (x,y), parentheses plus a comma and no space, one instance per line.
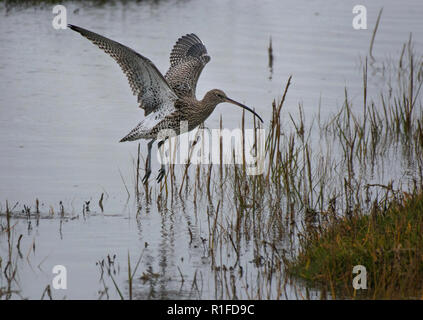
(161,174)
(146,176)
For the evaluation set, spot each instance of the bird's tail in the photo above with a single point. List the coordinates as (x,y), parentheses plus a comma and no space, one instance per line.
(126,138)
(129,137)
(135,134)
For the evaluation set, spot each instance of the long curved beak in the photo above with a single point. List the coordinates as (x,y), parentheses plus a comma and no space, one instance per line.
(243,106)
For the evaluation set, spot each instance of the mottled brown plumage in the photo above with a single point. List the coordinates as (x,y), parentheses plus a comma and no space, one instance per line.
(187,60)
(168,101)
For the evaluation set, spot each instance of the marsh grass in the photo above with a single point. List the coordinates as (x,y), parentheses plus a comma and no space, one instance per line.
(14,255)
(318,173)
(387,241)
(9,263)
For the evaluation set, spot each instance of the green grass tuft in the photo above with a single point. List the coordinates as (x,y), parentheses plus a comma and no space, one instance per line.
(388,242)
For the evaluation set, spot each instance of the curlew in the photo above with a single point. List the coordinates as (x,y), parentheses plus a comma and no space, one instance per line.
(167,100)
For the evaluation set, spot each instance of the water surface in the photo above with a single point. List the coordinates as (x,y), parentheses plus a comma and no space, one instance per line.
(64,105)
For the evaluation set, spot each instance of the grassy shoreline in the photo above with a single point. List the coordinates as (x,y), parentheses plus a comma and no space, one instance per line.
(388,242)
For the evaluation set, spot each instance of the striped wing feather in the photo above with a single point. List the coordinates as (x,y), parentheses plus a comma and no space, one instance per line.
(187,60)
(146,81)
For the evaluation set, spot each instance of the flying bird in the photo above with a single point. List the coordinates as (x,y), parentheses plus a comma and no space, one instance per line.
(167,100)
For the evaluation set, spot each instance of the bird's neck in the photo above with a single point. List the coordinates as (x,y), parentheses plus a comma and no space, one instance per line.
(208,102)
(197,111)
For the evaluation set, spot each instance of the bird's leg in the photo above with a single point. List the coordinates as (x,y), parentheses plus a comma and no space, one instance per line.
(162,170)
(203,127)
(159,144)
(148,169)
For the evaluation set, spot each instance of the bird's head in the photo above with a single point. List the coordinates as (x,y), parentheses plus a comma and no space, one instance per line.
(217,96)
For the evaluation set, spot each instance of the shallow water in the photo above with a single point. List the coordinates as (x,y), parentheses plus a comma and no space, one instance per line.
(64,105)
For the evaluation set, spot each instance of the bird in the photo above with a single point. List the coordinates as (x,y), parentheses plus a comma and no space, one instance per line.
(167,100)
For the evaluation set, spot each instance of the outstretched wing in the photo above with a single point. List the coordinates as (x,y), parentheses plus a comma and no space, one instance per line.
(187,60)
(145,80)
